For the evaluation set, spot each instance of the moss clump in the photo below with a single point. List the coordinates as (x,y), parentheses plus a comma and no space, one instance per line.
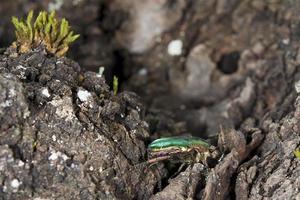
(46,30)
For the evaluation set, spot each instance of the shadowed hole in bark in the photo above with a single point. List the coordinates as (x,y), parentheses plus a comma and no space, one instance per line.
(110,20)
(211,162)
(233,180)
(161,184)
(117,69)
(228,64)
(17,154)
(174,169)
(171,3)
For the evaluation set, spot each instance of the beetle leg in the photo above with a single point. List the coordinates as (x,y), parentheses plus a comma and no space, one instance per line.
(155,160)
(221,157)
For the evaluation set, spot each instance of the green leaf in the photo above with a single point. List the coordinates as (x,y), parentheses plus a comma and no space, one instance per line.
(44,18)
(38,22)
(29,17)
(53,24)
(29,26)
(52,15)
(71,38)
(62,33)
(38,27)
(18,31)
(47,29)
(64,30)
(15,22)
(24,32)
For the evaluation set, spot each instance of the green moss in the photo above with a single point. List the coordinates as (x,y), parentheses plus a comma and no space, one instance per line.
(55,35)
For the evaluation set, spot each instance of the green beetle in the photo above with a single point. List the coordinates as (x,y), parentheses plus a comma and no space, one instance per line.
(182,149)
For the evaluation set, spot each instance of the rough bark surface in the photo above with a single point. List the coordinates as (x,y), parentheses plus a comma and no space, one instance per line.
(64,135)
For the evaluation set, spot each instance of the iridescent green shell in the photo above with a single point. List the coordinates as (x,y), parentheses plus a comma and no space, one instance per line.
(179,142)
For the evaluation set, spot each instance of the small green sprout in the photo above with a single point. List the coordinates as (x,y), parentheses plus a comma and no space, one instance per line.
(34,144)
(55,35)
(115,85)
(297,153)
